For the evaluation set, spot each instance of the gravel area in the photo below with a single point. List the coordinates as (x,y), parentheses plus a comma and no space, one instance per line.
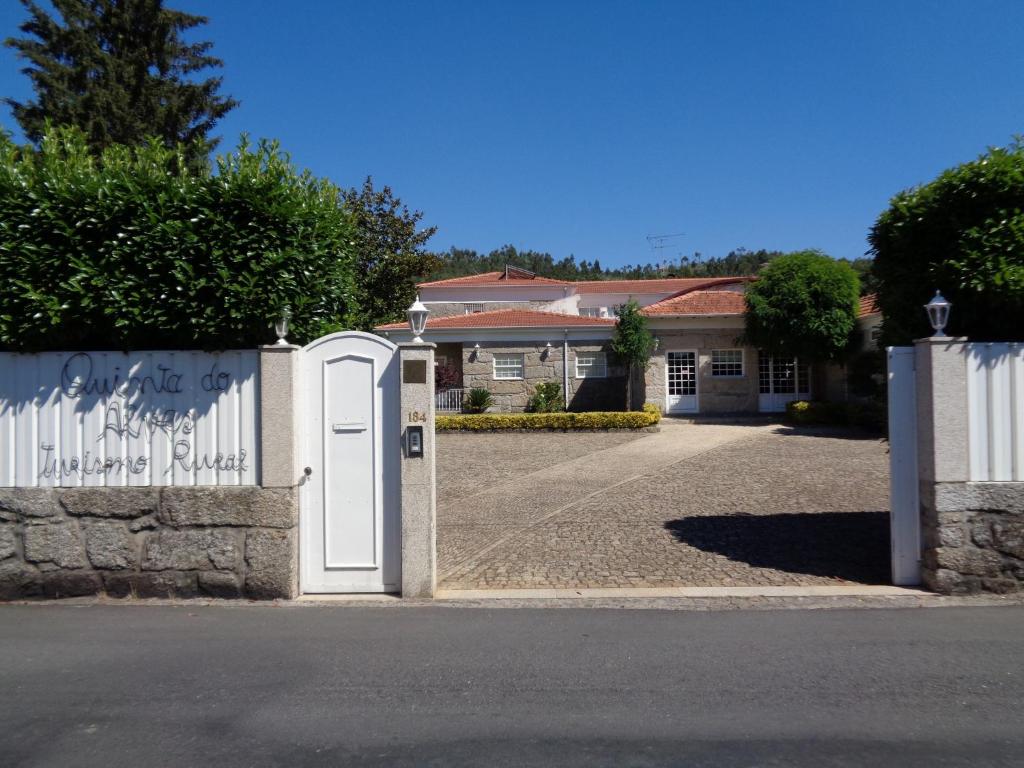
(692,505)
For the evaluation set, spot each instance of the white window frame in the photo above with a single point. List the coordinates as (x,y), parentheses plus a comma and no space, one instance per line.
(507,355)
(473,308)
(587,372)
(590,312)
(742,362)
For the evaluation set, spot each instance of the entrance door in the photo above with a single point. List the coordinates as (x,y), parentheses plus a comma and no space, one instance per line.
(781,380)
(681,370)
(350,520)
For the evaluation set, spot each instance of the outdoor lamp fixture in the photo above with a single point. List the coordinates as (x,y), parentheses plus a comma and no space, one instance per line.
(938,314)
(281,325)
(547,350)
(657,343)
(417,319)
(476,351)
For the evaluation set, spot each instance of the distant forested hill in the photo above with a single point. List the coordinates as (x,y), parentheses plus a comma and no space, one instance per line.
(458,262)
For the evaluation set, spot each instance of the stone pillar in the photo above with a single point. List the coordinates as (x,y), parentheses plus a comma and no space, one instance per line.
(972,532)
(419,476)
(279,397)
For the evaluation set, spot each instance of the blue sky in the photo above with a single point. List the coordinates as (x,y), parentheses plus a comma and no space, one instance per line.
(584,127)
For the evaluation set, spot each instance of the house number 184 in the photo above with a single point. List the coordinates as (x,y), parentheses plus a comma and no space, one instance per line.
(415,416)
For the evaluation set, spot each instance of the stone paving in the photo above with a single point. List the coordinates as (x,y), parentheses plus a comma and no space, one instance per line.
(691,505)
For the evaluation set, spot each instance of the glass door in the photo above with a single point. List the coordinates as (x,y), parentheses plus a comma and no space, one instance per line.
(681,370)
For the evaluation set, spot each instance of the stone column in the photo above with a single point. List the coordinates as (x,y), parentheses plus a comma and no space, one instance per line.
(279,370)
(973,531)
(419,476)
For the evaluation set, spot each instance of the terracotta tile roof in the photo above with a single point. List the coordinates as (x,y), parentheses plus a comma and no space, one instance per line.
(664,285)
(699,303)
(869,306)
(513,277)
(508,318)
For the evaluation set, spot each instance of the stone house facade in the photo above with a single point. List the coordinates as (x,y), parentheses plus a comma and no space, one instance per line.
(509,331)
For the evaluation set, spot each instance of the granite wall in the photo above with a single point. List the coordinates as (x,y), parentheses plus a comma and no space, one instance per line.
(715,395)
(543,364)
(148,542)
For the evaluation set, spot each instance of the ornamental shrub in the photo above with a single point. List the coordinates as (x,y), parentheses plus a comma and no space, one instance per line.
(136,250)
(546,398)
(963,234)
(478,400)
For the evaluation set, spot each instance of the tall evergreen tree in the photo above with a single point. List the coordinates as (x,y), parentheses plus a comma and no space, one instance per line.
(120,71)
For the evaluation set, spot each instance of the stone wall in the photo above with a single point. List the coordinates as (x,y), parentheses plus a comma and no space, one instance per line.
(715,395)
(544,364)
(148,542)
(973,537)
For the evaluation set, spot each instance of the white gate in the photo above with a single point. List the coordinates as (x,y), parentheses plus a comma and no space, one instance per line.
(350,523)
(904,517)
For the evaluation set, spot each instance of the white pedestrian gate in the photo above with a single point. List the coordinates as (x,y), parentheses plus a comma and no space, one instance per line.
(350,524)
(681,378)
(904,517)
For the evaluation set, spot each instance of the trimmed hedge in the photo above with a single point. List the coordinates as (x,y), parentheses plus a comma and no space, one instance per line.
(494,422)
(869,414)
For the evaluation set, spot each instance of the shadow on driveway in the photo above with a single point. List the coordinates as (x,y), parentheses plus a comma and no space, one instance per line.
(853,546)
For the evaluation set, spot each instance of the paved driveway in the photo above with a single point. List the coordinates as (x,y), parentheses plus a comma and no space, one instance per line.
(691,505)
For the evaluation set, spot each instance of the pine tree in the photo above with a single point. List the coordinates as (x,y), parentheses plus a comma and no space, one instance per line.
(121,72)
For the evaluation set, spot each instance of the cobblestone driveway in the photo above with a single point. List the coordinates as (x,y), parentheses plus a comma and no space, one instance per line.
(692,505)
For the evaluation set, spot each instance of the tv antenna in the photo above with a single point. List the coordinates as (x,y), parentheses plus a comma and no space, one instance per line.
(661,242)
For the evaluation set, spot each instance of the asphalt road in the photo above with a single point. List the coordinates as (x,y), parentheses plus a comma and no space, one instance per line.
(136,686)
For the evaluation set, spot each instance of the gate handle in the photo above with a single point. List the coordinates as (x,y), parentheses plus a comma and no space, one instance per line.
(308,471)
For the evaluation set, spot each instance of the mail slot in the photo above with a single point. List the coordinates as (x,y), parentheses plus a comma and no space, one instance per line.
(349,426)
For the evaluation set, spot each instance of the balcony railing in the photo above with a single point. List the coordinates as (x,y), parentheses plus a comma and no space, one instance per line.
(449,401)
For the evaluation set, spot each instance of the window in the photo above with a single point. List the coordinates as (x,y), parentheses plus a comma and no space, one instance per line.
(591,365)
(783,376)
(508,365)
(727,363)
(590,311)
(472,309)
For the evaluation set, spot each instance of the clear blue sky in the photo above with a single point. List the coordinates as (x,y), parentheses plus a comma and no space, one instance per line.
(583,127)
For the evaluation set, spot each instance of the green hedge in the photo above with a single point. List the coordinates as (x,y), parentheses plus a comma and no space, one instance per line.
(868,414)
(492,422)
(135,250)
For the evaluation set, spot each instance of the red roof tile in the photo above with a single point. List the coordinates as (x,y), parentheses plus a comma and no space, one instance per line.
(508,318)
(664,285)
(869,306)
(493,278)
(700,303)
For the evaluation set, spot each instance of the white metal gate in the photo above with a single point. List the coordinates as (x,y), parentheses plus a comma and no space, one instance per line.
(904,515)
(350,522)
(681,370)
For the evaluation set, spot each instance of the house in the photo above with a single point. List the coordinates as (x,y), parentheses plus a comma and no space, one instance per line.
(508,331)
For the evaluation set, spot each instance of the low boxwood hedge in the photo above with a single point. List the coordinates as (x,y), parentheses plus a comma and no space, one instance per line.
(493,422)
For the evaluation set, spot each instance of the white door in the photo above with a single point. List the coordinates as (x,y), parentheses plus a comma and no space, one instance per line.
(350,519)
(681,371)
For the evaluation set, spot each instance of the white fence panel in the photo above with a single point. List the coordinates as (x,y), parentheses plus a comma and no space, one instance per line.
(904,517)
(995,411)
(115,419)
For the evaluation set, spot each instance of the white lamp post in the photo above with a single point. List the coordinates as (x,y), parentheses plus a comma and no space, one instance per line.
(417,319)
(938,314)
(281,326)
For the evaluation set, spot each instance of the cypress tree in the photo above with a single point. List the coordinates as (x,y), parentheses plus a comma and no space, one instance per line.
(120,71)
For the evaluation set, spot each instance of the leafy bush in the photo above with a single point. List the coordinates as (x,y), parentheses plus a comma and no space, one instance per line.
(492,422)
(803,304)
(962,234)
(546,398)
(133,249)
(446,377)
(478,400)
(870,415)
